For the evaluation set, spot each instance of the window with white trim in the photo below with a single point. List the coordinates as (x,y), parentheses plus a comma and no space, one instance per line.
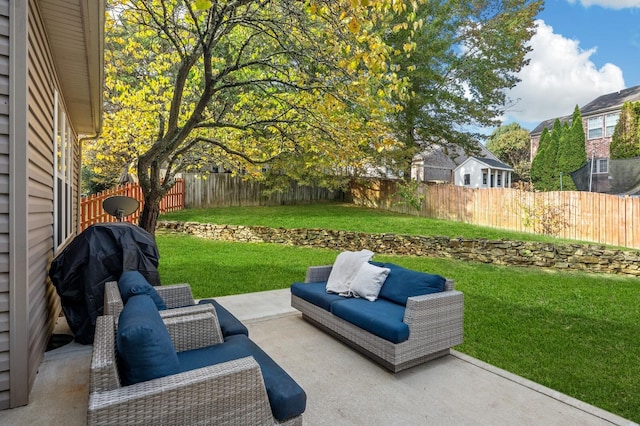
(610,121)
(601,165)
(63,140)
(594,126)
(467,179)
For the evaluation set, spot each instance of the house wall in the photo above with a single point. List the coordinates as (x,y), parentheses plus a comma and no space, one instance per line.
(474,169)
(26,221)
(598,147)
(4,204)
(43,303)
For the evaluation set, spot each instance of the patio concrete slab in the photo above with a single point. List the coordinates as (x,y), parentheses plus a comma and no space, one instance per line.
(343,387)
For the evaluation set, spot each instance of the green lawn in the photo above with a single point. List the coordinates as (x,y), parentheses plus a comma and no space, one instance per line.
(573,332)
(345,217)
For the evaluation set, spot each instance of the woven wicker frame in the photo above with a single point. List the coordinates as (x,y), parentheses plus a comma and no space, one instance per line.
(173,296)
(229,393)
(435,325)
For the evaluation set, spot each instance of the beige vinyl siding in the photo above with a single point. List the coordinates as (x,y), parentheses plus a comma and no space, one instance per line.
(44,304)
(4,204)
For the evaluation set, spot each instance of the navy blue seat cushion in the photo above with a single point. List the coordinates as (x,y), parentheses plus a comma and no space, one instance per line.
(144,347)
(286,397)
(133,283)
(315,293)
(382,318)
(229,324)
(402,283)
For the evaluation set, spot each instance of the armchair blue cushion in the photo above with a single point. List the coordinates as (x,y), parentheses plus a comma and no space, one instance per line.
(286,397)
(402,283)
(132,283)
(144,347)
(229,324)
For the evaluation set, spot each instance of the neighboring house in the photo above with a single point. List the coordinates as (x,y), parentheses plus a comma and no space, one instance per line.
(599,119)
(476,172)
(438,163)
(51,77)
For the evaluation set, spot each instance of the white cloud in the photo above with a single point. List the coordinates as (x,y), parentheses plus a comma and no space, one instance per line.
(560,75)
(609,4)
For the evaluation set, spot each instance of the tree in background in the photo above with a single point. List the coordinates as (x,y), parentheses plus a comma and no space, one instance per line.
(272,90)
(511,144)
(465,55)
(572,152)
(544,163)
(625,142)
(301,90)
(560,152)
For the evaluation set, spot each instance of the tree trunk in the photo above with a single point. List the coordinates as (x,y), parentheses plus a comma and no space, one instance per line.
(149,217)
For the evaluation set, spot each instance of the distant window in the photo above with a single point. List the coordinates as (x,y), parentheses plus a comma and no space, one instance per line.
(484,178)
(499,179)
(610,121)
(63,140)
(602,165)
(467,179)
(594,128)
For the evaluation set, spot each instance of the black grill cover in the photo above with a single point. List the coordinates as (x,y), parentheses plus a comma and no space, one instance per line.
(99,254)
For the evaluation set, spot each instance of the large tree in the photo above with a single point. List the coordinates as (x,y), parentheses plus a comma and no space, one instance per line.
(561,151)
(511,144)
(300,86)
(625,142)
(466,57)
(572,153)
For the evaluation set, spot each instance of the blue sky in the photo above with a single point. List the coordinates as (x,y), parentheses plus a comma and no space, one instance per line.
(582,49)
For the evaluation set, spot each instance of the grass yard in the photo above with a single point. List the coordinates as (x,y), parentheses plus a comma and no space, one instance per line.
(573,332)
(348,217)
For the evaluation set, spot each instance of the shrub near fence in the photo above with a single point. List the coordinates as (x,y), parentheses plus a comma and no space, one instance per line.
(92,212)
(584,216)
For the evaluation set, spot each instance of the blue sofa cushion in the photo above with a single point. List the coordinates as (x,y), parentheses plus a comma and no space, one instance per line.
(382,318)
(229,324)
(315,293)
(286,397)
(402,283)
(144,347)
(133,283)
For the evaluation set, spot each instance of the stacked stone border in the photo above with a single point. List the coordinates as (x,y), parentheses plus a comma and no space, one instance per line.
(579,257)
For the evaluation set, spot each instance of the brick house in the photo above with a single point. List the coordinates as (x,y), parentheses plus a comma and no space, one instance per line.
(599,119)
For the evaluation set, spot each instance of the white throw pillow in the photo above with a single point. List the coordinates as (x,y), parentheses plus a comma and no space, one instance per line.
(368,281)
(346,267)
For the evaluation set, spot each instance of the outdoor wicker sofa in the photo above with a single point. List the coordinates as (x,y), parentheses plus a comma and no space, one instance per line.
(178,300)
(435,321)
(241,389)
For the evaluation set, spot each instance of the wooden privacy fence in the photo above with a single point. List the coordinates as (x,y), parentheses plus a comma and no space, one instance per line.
(582,216)
(225,190)
(92,212)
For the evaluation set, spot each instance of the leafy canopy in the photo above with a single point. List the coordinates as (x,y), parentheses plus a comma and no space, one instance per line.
(458,59)
(561,151)
(511,144)
(625,142)
(300,90)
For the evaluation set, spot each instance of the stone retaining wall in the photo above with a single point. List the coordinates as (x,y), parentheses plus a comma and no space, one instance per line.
(592,258)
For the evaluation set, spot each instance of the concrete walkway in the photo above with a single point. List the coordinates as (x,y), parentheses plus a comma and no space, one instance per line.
(342,386)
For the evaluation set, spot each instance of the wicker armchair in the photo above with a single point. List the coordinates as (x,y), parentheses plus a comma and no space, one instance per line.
(227,393)
(435,325)
(177,297)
